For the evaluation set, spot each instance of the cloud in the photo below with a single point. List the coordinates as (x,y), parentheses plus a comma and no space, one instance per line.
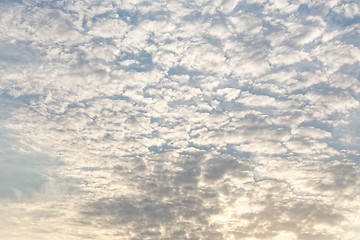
(179,120)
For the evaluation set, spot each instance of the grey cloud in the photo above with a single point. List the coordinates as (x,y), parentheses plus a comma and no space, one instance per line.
(291,215)
(171,204)
(343,177)
(143,216)
(216,168)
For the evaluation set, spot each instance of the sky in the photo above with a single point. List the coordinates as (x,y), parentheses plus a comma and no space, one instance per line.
(176,119)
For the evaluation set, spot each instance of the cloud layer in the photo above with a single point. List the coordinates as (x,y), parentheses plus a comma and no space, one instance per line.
(214,119)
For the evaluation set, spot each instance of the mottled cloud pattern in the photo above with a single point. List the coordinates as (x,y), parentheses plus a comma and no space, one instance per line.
(207,119)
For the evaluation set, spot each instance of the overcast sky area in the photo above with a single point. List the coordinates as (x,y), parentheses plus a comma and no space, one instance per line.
(179,120)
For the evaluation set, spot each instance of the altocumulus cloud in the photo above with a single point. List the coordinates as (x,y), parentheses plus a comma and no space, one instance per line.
(217,119)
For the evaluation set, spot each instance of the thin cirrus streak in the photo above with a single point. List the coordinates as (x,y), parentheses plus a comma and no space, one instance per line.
(216,119)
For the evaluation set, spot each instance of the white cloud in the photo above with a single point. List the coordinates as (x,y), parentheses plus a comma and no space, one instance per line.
(336,55)
(108,28)
(349,10)
(287,56)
